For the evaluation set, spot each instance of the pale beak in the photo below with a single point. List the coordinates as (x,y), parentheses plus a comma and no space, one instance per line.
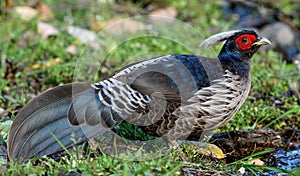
(262,41)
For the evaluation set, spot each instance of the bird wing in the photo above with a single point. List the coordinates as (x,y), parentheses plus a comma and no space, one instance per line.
(176,77)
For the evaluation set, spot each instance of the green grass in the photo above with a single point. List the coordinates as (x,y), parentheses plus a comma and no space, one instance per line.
(19,81)
(95,163)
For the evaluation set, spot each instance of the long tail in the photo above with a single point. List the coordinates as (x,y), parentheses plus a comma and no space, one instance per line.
(31,134)
(79,109)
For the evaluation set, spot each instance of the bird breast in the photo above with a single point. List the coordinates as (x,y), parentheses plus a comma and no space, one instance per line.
(213,106)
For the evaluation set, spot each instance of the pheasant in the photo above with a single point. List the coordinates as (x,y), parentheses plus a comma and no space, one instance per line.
(173,96)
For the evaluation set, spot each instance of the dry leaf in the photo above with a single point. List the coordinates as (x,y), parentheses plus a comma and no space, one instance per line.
(26,13)
(167,12)
(72,49)
(257,162)
(51,62)
(169,15)
(118,26)
(46,30)
(83,35)
(44,11)
(27,37)
(36,66)
(97,26)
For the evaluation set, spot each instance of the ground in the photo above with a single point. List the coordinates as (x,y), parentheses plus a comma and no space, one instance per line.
(36,56)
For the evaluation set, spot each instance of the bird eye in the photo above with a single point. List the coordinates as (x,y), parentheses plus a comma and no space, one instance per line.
(244,40)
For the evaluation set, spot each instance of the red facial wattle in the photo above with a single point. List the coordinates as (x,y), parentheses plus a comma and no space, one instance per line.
(245,41)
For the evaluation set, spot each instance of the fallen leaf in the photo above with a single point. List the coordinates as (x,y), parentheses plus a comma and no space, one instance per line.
(216,152)
(36,66)
(83,35)
(27,37)
(26,13)
(57,60)
(48,64)
(168,12)
(118,26)
(72,49)
(207,149)
(44,11)
(46,30)
(169,15)
(51,62)
(257,162)
(98,26)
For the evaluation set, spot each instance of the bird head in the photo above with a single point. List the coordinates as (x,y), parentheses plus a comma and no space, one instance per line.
(240,44)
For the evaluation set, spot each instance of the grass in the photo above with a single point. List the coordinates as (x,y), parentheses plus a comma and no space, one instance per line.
(82,163)
(26,72)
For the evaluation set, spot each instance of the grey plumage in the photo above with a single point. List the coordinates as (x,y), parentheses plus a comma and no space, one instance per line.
(47,112)
(172,96)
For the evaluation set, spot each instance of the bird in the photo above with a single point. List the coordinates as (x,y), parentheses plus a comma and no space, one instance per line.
(173,96)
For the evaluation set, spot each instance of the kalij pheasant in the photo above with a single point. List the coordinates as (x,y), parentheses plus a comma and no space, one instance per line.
(173,96)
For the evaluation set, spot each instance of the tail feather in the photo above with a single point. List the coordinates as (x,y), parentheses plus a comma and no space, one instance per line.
(39,144)
(79,112)
(78,108)
(30,135)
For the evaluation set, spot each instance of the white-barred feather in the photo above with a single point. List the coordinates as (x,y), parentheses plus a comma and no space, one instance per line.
(120,94)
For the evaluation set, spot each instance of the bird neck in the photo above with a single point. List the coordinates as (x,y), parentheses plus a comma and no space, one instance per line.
(235,64)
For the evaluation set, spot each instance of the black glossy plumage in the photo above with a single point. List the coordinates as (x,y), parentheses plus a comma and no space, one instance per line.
(175,96)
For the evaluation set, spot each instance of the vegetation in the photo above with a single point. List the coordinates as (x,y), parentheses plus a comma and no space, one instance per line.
(30,65)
